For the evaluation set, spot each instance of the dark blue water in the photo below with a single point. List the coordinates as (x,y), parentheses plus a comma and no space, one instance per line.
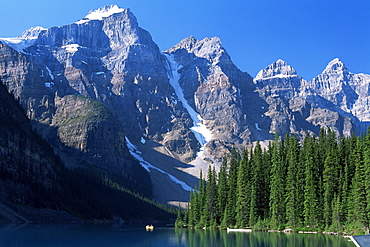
(107,235)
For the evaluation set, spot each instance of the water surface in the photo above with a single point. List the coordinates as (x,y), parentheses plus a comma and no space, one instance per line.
(108,235)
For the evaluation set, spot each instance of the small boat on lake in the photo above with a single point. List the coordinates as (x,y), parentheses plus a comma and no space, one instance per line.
(149,227)
(238,230)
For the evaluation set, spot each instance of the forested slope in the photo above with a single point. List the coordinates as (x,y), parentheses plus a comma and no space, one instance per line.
(318,184)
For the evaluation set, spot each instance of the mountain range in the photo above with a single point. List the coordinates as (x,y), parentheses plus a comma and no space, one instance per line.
(105,97)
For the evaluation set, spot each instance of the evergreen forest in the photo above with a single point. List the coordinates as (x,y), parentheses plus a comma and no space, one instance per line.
(316,184)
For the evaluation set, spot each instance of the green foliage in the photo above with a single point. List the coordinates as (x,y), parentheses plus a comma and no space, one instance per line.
(319,184)
(243,192)
(179,223)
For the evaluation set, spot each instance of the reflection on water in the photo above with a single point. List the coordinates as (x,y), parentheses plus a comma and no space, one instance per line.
(108,235)
(256,239)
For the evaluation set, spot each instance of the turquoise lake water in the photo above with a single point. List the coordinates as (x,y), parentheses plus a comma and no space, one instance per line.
(108,235)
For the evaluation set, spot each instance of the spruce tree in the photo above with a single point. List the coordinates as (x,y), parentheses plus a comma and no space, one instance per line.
(294,191)
(358,204)
(233,183)
(258,186)
(367,171)
(179,223)
(211,204)
(330,177)
(278,185)
(244,192)
(223,190)
(336,220)
(192,208)
(312,215)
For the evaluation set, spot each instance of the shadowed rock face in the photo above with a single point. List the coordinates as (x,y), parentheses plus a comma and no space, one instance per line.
(27,163)
(106,57)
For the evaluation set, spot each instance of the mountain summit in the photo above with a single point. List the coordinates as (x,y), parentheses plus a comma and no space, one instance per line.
(101,13)
(335,66)
(277,69)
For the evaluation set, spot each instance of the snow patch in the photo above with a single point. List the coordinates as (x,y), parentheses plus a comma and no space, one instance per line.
(26,39)
(50,73)
(257,127)
(142,140)
(280,76)
(18,44)
(49,84)
(101,13)
(71,48)
(202,134)
(147,166)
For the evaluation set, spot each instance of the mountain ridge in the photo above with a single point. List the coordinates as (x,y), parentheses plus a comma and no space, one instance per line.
(107,57)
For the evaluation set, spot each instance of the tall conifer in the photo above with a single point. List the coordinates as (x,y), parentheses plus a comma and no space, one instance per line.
(244,192)
(278,185)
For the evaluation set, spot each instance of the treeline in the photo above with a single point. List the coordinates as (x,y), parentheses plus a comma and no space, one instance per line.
(91,195)
(319,183)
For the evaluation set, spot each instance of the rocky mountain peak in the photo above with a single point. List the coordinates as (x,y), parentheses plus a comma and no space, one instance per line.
(32,33)
(334,67)
(101,13)
(277,69)
(208,48)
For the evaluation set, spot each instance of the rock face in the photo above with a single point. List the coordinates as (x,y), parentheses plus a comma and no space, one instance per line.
(279,85)
(216,89)
(90,84)
(328,100)
(27,163)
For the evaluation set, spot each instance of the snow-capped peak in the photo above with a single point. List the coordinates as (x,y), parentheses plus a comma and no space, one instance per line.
(32,33)
(277,69)
(26,39)
(101,13)
(334,66)
(208,48)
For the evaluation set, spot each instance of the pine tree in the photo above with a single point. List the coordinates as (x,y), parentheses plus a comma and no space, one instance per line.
(223,190)
(224,220)
(336,221)
(244,192)
(358,206)
(278,185)
(192,218)
(211,204)
(233,183)
(200,203)
(367,172)
(179,223)
(253,211)
(258,186)
(312,215)
(330,177)
(294,191)
(347,156)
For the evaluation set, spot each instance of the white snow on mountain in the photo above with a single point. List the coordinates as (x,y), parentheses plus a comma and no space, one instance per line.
(201,132)
(50,73)
(278,69)
(26,39)
(71,48)
(147,166)
(101,13)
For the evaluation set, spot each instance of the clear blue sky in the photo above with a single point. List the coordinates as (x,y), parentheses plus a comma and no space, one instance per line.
(305,33)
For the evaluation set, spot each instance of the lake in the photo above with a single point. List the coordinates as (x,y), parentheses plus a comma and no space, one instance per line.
(108,235)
